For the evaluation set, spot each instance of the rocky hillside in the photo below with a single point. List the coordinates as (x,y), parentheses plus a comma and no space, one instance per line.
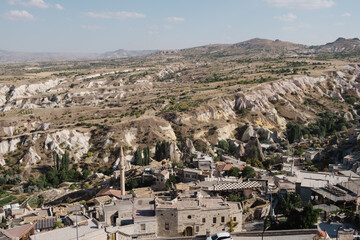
(91,108)
(253,48)
(340,45)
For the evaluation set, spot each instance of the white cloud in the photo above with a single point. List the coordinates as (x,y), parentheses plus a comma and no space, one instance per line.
(174,19)
(168,27)
(91,27)
(305,25)
(115,15)
(59,7)
(153,27)
(30,3)
(15,15)
(339,24)
(288,29)
(346,15)
(302,4)
(290,17)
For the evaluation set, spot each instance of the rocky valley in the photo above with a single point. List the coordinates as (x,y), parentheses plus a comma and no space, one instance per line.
(68,122)
(89,108)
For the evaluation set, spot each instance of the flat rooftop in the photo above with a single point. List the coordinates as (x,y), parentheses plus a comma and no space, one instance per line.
(143,207)
(68,232)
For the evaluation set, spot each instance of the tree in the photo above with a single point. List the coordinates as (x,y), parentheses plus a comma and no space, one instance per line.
(131,184)
(289,203)
(58,224)
(232,148)
(138,159)
(41,182)
(234,171)
(305,219)
(293,131)
(57,162)
(248,172)
(86,173)
(65,161)
(146,153)
(253,158)
(52,177)
(224,145)
(172,180)
(161,150)
(232,224)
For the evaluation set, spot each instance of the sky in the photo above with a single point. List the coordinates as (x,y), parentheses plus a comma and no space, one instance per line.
(96,26)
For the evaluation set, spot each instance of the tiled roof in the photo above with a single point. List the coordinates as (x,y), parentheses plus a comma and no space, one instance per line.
(109,192)
(223,186)
(4,235)
(46,223)
(20,231)
(227,167)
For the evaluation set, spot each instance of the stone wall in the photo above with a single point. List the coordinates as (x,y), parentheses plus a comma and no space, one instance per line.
(167,216)
(255,208)
(196,221)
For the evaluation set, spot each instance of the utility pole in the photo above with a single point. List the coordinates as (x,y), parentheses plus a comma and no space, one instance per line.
(77,228)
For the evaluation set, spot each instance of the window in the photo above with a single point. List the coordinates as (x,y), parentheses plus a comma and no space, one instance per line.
(197,229)
(234,218)
(142,227)
(187,175)
(222,219)
(214,220)
(203,220)
(189,216)
(166,226)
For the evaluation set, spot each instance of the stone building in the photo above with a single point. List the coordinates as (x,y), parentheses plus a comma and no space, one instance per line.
(161,178)
(116,214)
(311,155)
(195,214)
(192,174)
(203,162)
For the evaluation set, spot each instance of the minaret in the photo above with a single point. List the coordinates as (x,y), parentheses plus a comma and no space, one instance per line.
(122,172)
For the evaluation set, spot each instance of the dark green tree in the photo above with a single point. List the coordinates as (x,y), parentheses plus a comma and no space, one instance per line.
(288,203)
(232,148)
(248,172)
(293,131)
(65,161)
(146,153)
(161,150)
(172,179)
(234,171)
(304,219)
(138,159)
(223,144)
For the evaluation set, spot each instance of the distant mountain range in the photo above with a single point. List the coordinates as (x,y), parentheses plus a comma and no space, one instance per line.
(258,47)
(18,57)
(253,47)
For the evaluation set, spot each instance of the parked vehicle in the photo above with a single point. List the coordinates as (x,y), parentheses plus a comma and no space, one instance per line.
(221,236)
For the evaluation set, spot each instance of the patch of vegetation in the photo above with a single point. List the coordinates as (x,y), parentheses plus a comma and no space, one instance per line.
(161,150)
(328,124)
(142,157)
(6,200)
